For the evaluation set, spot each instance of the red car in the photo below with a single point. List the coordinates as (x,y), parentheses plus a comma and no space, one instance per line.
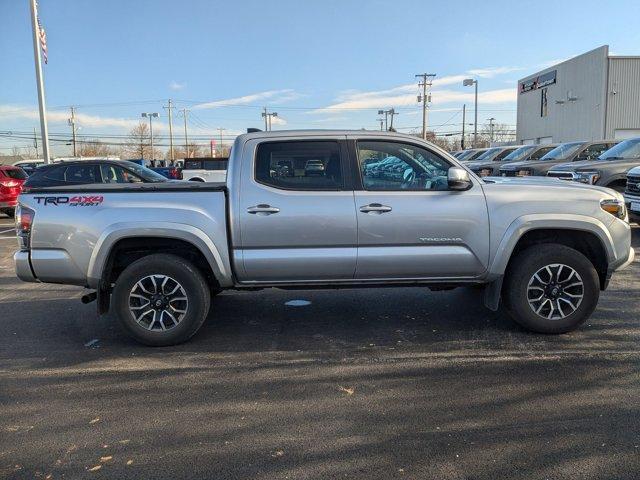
(11,180)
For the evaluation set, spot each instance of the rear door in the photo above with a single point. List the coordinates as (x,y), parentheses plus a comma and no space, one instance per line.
(410,225)
(296,223)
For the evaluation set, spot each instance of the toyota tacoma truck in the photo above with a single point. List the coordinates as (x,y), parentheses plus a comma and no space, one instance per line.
(157,253)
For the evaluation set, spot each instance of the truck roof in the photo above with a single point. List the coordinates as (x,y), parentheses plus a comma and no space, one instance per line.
(317,132)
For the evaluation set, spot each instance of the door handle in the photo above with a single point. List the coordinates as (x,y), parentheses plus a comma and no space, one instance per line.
(375,208)
(263,209)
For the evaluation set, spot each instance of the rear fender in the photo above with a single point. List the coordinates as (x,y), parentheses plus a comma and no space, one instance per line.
(219,264)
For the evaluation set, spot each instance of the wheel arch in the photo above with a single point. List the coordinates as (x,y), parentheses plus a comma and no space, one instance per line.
(144,239)
(585,234)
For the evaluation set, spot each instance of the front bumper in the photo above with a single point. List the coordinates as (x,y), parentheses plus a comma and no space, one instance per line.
(628,198)
(23,266)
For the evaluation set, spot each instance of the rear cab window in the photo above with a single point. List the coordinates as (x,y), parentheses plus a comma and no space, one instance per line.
(15,173)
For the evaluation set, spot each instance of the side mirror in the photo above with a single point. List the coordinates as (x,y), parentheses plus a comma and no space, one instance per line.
(458,179)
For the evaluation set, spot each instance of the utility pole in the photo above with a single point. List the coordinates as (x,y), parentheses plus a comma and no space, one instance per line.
(72,124)
(186,137)
(169,109)
(427,79)
(220,129)
(35,141)
(491,120)
(392,113)
(267,118)
(464,119)
(44,130)
(151,116)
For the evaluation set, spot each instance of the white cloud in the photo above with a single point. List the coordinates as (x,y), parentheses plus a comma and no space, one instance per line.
(55,116)
(177,85)
(283,95)
(493,71)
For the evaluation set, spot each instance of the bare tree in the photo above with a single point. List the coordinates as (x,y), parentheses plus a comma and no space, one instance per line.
(194,150)
(95,148)
(501,133)
(138,144)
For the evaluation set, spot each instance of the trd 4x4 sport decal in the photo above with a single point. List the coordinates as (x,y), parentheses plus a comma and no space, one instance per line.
(75,201)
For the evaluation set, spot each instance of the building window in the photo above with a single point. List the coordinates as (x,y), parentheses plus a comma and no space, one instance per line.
(543,102)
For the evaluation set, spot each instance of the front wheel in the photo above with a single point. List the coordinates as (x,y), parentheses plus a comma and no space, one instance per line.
(551,288)
(161,300)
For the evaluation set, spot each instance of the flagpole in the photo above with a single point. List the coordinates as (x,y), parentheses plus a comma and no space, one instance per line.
(41,102)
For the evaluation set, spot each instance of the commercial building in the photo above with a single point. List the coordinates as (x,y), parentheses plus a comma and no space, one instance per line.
(589,97)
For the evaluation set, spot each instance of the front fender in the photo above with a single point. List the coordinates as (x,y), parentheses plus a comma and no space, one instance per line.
(216,257)
(527,223)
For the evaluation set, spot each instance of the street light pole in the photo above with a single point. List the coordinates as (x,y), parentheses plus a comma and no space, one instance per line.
(491,120)
(464,119)
(150,116)
(467,82)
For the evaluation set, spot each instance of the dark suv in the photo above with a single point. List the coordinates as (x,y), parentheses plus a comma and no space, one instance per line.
(489,162)
(84,172)
(563,153)
(608,170)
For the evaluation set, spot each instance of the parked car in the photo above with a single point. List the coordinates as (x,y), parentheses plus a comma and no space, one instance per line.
(314,167)
(563,153)
(84,172)
(490,161)
(157,253)
(608,170)
(471,154)
(632,193)
(205,169)
(11,180)
(522,156)
(29,165)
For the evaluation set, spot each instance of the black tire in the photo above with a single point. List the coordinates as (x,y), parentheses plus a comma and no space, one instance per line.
(183,272)
(516,293)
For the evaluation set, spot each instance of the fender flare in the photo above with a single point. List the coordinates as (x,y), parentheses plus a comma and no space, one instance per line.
(559,221)
(118,231)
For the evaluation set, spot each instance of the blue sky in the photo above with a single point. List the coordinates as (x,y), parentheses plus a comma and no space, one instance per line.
(319,64)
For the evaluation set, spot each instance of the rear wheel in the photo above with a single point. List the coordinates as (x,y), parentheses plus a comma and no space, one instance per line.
(161,300)
(551,288)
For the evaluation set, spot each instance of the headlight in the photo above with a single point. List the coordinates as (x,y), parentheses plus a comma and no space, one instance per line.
(587,177)
(614,207)
(523,173)
(485,172)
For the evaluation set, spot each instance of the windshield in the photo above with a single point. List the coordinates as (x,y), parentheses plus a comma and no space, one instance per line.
(520,153)
(489,154)
(146,174)
(465,154)
(564,151)
(622,151)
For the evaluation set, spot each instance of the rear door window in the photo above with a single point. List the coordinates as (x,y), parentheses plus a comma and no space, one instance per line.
(82,174)
(286,165)
(592,151)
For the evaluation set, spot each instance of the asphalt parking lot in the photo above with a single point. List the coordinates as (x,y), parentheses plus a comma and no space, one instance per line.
(391,383)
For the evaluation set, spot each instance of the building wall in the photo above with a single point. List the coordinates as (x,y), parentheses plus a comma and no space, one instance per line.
(623,98)
(584,78)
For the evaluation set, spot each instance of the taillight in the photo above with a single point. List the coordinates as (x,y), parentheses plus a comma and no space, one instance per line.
(24,221)
(9,183)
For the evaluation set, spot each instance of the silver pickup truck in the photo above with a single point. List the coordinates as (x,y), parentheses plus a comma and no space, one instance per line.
(384,209)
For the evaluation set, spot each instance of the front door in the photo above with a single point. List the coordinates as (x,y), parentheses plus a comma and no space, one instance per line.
(410,225)
(297,213)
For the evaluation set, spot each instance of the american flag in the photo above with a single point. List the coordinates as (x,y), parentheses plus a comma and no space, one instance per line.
(43,40)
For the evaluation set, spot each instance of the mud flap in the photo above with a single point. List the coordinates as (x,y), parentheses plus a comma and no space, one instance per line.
(492,294)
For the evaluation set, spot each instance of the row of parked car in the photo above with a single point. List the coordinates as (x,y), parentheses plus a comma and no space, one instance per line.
(607,163)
